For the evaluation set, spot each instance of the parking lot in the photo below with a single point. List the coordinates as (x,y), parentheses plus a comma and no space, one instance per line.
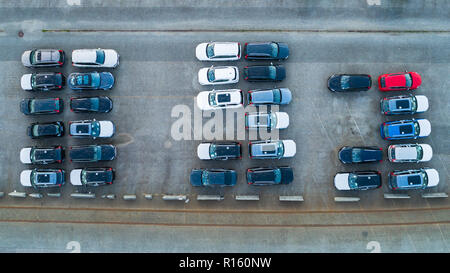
(158,71)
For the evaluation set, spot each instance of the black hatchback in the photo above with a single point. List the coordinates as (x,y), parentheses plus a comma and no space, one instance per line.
(42,81)
(92,153)
(43,130)
(349,155)
(91,105)
(46,106)
(266,51)
(269,176)
(264,73)
(349,82)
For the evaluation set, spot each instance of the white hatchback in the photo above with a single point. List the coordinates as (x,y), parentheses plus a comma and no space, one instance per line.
(218,75)
(220,99)
(108,58)
(218,51)
(401,153)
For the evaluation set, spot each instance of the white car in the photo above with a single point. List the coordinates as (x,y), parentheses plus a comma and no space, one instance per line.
(218,75)
(218,51)
(108,58)
(272,149)
(400,153)
(271,120)
(220,99)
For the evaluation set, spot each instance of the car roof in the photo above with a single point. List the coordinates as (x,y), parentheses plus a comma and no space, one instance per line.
(47,55)
(367,179)
(223,149)
(47,78)
(226,49)
(98,175)
(405,152)
(45,153)
(224,73)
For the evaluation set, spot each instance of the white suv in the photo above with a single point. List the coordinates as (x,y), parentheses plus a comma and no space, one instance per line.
(218,51)
(220,99)
(108,58)
(400,153)
(218,75)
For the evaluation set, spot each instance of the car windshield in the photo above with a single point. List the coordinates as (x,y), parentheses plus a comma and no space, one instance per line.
(352,178)
(413,104)
(212,99)
(274,52)
(277,178)
(280,149)
(416,128)
(273,120)
(212,151)
(33,57)
(408,80)
(356,155)
(95,128)
(272,72)
(383,82)
(84,177)
(345,82)
(210,50)
(100,56)
(419,152)
(32,106)
(211,75)
(276,96)
(424,178)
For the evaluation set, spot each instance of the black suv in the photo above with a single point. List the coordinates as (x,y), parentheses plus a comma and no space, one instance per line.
(213,177)
(269,176)
(42,130)
(92,153)
(41,106)
(349,82)
(264,73)
(91,105)
(42,81)
(266,51)
(360,154)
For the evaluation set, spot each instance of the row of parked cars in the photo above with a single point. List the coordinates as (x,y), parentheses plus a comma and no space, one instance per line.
(234,98)
(48,81)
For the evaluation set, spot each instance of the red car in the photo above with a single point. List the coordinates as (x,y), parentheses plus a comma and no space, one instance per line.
(399,81)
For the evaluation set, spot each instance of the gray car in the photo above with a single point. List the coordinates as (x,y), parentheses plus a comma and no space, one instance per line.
(43,58)
(269,96)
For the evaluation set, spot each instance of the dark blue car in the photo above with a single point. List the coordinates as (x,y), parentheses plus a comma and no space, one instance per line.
(360,154)
(266,51)
(91,81)
(405,129)
(213,177)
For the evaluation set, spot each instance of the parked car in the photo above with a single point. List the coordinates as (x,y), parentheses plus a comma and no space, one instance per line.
(42,81)
(349,82)
(264,73)
(359,180)
(219,150)
(266,51)
(270,121)
(92,177)
(213,177)
(262,176)
(92,153)
(220,99)
(91,81)
(41,106)
(44,155)
(399,81)
(91,128)
(42,178)
(413,179)
(107,58)
(280,96)
(349,155)
(405,129)
(218,75)
(401,153)
(218,51)
(404,104)
(91,105)
(43,58)
(272,149)
(43,130)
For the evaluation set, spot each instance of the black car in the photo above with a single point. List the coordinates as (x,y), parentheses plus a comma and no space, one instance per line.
(266,51)
(360,180)
(264,73)
(92,153)
(42,178)
(92,176)
(41,106)
(219,151)
(349,82)
(91,105)
(360,154)
(42,130)
(42,81)
(269,176)
(213,177)
(36,155)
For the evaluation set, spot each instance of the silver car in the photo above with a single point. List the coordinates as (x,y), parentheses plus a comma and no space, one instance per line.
(271,120)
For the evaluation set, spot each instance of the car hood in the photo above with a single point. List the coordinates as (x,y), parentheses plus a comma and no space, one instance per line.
(345,155)
(422,103)
(25,82)
(425,127)
(25,178)
(196,178)
(203,76)
(111,58)
(286,95)
(200,52)
(282,120)
(433,177)
(26,58)
(203,151)
(25,155)
(417,80)
(107,128)
(106,80)
(281,73)
(427,152)
(334,82)
(108,152)
(283,50)
(203,101)
(290,148)
(75,177)
(341,181)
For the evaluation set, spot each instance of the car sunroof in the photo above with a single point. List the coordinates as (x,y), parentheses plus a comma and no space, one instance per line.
(221,98)
(402,104)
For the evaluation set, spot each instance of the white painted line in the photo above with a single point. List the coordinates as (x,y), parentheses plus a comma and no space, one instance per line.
(396,196)
(297,198)
(247,197)
(346,199)
(83,195)
(18,194)
(174,197)
(435,195)
(128,197)
(210,197)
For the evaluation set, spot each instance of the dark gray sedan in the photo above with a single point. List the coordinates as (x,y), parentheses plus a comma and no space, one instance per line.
(349,82)
(91,81)
(213,177)
(266,51)
(91,105)
(269,96)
